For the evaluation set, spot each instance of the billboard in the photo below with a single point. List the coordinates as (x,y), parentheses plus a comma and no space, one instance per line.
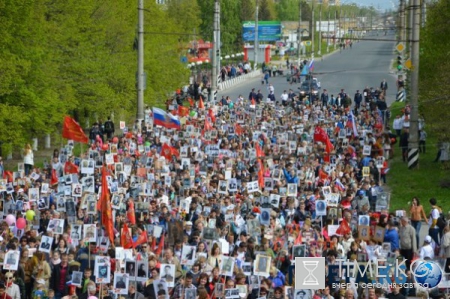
(268,31)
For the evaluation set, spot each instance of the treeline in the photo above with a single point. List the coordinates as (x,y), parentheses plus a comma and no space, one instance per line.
(79,57)
(434,69)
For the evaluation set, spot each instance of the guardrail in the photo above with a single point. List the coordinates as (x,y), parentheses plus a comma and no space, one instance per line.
(235,81)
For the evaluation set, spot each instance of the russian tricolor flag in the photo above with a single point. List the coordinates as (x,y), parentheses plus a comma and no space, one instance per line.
(164,119)
(311,65)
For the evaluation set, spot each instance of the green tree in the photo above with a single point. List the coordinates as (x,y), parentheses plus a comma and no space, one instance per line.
(267,10)
(287,10)
(207,18)
(248,10)
(231,26)
(434,66)
(185,13)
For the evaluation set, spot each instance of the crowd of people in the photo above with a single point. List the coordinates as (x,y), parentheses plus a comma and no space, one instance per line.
(215,203)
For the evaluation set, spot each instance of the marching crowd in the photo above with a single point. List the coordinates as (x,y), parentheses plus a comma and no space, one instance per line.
(215,202)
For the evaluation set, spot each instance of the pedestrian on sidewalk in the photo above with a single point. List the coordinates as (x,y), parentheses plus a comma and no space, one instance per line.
(109,128)
(28,159)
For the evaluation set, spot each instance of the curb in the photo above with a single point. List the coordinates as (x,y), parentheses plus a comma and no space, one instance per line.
(237,80)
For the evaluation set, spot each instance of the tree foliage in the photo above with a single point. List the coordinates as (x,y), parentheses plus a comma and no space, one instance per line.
(76,57)
(434,66)
(266,10)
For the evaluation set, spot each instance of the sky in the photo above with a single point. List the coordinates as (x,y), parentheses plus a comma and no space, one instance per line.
(379,4)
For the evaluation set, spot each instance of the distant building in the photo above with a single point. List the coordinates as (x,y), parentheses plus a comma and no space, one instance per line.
(160,1)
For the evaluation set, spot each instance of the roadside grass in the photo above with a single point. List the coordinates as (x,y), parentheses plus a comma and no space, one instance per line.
(423,182)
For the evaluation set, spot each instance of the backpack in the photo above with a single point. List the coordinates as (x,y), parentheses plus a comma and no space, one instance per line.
(441,222)
(108,126)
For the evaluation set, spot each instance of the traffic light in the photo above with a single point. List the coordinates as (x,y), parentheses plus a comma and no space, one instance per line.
(218,53)
(399,63)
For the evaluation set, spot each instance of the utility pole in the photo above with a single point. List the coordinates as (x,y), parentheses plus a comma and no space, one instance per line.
(299,33)
(216,51)
(413,142)
(313,29)
(343,26)
(328,32)
(340,28)
(424,13)
(320,29)
(402,21)
(335,29)
(411,23)
(140,70)
(256,36)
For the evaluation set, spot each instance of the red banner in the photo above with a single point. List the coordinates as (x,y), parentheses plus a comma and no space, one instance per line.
(73,131)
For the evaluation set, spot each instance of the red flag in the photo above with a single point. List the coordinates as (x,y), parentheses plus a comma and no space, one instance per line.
(153,243)
(183,111)
(104,206)
(253,101)
(238,129)
(70,167)
(208,126)
(125,237)
(321,136)
(343,228)
(142,239)
(259,152)
(8,175)
(191,102)
(261,174)
(299,239)
(200,103)
(160,245)
(325,233)
(168,151)
(130,213)
(211,114)
(72,130)
(54,178)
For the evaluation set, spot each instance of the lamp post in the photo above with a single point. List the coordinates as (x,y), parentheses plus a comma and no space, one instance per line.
(140,66)
(299,32)
(256,46)
(227,57)
(199,70)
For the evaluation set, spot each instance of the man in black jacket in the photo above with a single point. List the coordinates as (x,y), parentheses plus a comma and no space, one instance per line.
(358,100)
(60,276)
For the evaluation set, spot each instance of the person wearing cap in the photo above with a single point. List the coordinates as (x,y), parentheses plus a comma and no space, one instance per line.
(427,250)
(187,228)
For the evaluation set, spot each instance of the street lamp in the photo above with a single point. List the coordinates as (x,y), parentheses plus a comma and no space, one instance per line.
(227,57)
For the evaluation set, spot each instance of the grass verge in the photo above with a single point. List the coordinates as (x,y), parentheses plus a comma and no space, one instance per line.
(423,182)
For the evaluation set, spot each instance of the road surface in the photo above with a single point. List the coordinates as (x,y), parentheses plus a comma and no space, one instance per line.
(367,63)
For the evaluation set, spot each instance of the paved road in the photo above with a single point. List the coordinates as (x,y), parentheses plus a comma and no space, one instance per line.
(366,64)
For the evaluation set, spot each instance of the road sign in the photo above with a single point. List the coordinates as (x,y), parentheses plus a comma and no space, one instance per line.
(408,64)
(308,43)
(400,47)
